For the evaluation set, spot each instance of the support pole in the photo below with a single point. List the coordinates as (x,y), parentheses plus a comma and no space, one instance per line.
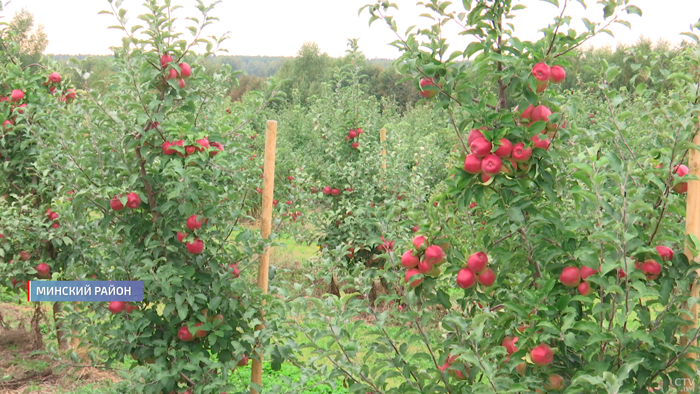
(692,227)
(265,230)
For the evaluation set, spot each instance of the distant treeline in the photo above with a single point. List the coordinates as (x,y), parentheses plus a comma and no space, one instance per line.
(307,72)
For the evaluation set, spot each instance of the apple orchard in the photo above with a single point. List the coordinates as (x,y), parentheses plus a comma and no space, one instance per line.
(508,235)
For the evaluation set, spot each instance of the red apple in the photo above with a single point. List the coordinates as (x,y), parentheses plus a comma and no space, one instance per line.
(16,95)
(195,247)
(43,270)
(200,333)
(116,306)
(473,135)
(491,165)
(219,148)
(190,150)
(193,223)
(55,77)
(203,144)
(681,170)
(480,147)
(570,277)
(557,74)
(651,269)
(133,200)
(477,262)
(520,153)
(352,134)
(472,164)
(129,307)
(540,143)
(509,344)
(327,190)
(24,256)
(184,334)
(541,71)
(116,204)
(584,288)
(185,70)
(434,255)
(236,271)
(527,114)
(556,382)
(424,266)
(409,274)
(181,83)
(466,278)
(427,93)
(541,86)
(181,236)
(504,149)
(486,278)
(355,145)
(586,272)
(541,113)
(408,260)
(165,59)
(541,355)
(335,192)
(419,241)
(664,252)
(243,362)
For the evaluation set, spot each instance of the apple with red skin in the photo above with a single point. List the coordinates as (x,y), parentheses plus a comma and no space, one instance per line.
(556,382)
(419,242)
(521,368)
(181,83)
(427,93)
(129,308)
(352,134)
(557,74)
(115,204)
(584,288)
(236,271)
(181,236)
(335,192)
(477,262)
(55,77)
(586,272)
(16,95)
(408,260)
(195,247)
(219,148)
(24,256)
(172,74)
(541,71)
(570,277)
(527,113)
(504,149)
(203,144)
(7,125)
(541,355)
(43,270)
(480,147)
(473,135)
(472,164)
(466,278)
(424,266)
(165,59)
(53,216)
(185,70)
(486,278)
(520,153)
(540,143)
(415,229)
(491,165)
(434,255)
(541,86)
(184,334)
(133,200)
(664,252)
(200,333)
(509,344)
(190,150)
(55,225)
(327,190)
(243,361)
(193,223)
(355,145)
(651,269)
(541,113)
(410,273)
(116,306)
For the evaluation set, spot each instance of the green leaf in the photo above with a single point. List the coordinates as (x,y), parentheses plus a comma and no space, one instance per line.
(632,9)
(515,214)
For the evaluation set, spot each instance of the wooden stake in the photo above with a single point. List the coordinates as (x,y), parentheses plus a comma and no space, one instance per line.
(265,230)
(692,227)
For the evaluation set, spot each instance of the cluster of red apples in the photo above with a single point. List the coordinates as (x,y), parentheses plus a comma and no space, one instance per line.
(132,201)
(328,191)
(120,306)
(423,259)
(53,217)
(476,271)
(197,245)
(203,145)
(544,74)
(15,97)
(681,171)
(354,137)
(185,70)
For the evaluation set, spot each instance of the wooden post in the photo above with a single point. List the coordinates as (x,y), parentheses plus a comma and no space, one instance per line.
(692,227)
(265,230)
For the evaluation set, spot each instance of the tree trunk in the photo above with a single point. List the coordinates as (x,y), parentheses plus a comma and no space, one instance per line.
(58,324)
(334,287)
(37,341)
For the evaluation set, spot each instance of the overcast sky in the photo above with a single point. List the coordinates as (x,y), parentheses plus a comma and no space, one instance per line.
(280,27)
